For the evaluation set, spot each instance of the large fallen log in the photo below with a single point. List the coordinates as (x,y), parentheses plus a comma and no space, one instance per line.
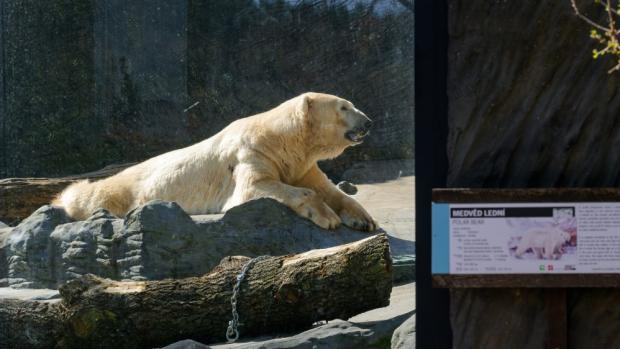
(278,294)
(19,197)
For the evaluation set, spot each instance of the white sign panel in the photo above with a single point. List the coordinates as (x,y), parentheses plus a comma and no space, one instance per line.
(526,238)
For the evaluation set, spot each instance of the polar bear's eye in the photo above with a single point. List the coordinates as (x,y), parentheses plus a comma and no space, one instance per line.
(343,108)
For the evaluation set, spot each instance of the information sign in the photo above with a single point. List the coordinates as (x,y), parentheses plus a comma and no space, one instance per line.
(526,238)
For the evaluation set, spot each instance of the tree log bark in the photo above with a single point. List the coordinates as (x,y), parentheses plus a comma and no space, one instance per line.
(19,197)
(278,294)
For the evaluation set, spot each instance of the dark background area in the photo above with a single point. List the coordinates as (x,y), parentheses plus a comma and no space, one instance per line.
(85,84)
(431,133)
(528,106)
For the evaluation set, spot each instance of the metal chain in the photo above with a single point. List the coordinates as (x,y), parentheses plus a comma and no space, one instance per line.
(232,333)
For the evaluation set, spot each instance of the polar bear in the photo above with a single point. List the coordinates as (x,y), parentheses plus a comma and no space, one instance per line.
(273,154)
(545,242)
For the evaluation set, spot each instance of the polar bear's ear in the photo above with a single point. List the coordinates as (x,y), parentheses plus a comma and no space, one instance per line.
(303,105)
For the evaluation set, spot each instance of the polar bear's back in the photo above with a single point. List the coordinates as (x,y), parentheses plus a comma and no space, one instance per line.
(198,178)
(194,177)
(536,237)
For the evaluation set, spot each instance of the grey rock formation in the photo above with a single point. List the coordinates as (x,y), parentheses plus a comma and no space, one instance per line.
(404,335)
(335,334)
(155,241)
(347,187)
(27,252)
(187,344)
(404,268)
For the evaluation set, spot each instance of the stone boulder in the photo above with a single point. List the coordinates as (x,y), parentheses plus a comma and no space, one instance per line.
(155,241)
(404,335)
(335,334)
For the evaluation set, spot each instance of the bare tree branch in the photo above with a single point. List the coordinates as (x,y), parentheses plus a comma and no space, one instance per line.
(610,37)
(588,20)
(610,18)
(605,3)
(616,67)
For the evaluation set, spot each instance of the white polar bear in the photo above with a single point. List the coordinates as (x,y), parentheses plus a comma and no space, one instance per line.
(545,242)
(273,154)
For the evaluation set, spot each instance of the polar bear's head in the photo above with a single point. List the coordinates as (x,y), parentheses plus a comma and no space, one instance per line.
(334,123)
(562,236)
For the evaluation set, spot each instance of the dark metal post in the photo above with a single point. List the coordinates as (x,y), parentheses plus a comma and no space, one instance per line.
(431,131)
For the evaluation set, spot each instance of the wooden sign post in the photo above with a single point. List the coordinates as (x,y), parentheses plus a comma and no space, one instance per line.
(554,239)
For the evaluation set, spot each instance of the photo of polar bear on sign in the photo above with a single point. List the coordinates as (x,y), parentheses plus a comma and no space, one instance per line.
(544,240)
(546,243)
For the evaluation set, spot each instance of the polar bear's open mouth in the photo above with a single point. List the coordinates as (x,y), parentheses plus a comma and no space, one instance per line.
(356,135)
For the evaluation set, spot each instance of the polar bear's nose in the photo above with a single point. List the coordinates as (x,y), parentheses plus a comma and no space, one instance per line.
(368,124)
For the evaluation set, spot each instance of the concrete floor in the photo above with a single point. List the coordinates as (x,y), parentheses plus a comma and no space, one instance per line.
(402,301)
(392,204)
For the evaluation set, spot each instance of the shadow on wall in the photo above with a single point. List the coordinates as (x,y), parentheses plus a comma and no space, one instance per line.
(378,171)
(123,81)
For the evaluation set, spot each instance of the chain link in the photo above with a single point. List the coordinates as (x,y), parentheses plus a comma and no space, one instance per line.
(232,333)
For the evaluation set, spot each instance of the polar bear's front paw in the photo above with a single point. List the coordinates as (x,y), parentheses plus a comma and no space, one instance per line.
(322,215)
(355,216)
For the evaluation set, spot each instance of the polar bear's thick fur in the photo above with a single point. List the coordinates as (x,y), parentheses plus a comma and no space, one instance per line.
(273,154)
(545,242)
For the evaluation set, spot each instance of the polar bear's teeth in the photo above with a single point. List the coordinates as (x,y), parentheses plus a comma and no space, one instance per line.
(356,135)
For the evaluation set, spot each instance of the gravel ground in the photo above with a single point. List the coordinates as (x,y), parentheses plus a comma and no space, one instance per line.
(392,203)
